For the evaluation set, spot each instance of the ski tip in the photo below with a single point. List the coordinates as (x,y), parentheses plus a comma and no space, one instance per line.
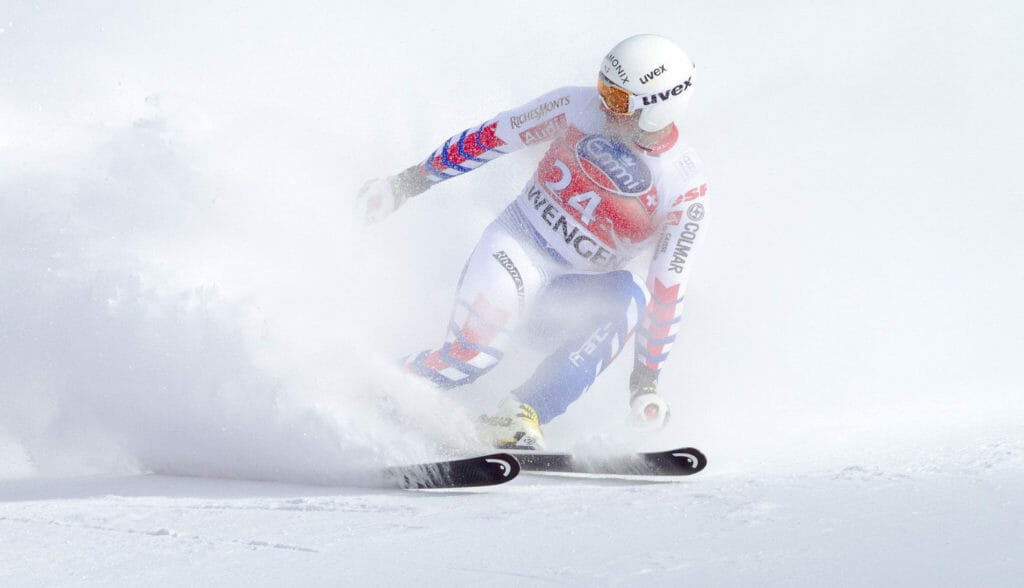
(470,472)
(506,464)
(683,461)
(693,458)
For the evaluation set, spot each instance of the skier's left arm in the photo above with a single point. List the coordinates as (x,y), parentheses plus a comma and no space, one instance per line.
(682,232)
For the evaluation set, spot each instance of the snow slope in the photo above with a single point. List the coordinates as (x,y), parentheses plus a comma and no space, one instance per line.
(181,292)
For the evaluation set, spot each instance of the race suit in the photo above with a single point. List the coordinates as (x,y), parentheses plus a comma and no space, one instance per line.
(556,255)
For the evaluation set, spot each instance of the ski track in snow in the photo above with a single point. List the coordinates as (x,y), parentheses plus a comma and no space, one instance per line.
(920,522)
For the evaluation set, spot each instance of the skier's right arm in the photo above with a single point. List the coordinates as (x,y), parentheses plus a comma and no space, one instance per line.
(535,122)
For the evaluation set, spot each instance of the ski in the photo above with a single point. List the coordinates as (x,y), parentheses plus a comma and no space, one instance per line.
(684,461)
(484,470)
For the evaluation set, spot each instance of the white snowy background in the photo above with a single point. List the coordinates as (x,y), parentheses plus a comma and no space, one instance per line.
(183,292)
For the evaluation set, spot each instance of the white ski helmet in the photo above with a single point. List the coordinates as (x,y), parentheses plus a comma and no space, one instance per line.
(656,73)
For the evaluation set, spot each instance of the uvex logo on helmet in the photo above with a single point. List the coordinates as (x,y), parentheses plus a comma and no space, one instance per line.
(652,74)
(663,96)
(612,166)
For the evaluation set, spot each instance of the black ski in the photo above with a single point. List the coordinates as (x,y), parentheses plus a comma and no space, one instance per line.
(485,470)
(684,461)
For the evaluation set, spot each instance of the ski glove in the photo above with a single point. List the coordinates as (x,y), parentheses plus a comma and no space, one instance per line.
(380,197)
(647,410)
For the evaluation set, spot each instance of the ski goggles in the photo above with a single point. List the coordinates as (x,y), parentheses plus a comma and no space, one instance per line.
(616,99)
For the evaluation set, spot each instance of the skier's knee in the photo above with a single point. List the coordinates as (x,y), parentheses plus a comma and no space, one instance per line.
(632,292)
(452,365)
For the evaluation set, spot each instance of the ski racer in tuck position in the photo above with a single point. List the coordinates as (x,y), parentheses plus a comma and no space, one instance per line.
(616,181)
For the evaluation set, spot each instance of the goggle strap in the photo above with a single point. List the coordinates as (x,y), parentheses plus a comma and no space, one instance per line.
(635,102)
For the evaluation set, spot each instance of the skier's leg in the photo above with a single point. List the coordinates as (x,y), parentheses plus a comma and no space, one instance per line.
(498,279)
(609,305)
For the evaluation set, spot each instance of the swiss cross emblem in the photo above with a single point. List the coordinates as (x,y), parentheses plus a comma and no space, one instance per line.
(650,201)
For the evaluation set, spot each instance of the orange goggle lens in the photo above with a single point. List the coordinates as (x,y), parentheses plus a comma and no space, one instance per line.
(615,98)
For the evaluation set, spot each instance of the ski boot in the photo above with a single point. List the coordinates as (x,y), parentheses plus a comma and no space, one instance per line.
(515,426)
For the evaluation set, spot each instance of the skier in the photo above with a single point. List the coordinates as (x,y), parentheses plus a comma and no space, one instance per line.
(615,181)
